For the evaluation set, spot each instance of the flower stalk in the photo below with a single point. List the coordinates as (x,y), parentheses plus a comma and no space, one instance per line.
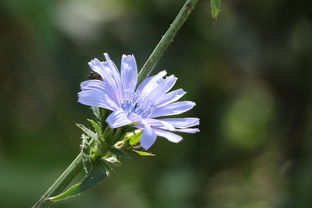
(78,165)
(167,38)
(61,183)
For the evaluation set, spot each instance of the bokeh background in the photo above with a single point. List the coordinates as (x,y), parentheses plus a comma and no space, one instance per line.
(250,73)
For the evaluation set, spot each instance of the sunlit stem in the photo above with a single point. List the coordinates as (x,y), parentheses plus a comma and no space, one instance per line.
(166,39)
(61,183)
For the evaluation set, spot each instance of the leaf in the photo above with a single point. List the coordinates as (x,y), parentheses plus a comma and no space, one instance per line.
(85,153)
(119,153)
(96,112)
(99,113)
(215,8)
(71,192)
(143,153)
(97,174)
(103,113)
(87,131)
(134,137)
(94,177)
(96,127)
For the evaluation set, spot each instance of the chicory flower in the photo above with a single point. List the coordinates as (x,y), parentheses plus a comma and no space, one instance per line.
(143,104)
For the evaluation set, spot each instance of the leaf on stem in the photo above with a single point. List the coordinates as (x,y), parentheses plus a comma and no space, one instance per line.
(148,154)
(94,177)
(87,131)
(215,8)
(86,153)
(96,112)
(96,127)
(119,153)
(99,113)
(134,137)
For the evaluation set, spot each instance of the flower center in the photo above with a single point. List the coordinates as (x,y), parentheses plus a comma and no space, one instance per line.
(138,104)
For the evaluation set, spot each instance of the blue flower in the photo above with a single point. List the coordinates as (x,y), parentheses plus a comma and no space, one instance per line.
(142,103)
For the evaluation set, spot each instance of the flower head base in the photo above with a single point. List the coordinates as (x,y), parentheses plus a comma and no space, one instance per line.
(142,104)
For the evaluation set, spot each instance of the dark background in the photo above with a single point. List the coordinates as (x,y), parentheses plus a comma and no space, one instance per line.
(250,73)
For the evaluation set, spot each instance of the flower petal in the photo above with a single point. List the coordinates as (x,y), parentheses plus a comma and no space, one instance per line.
(188,130)
(170,97)
(98,67)
(148,137)
(117,119)
(168,135)
(96,98)
(99,85)
(115,76)
(129,73)
(109,77)
(173,109)
(147,85)
(182,122)
(114,71)
(163,87)
(155,123)
(93,84)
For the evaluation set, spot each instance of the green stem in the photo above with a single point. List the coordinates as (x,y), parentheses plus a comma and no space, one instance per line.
(167,39)
(61,183)
(76,166)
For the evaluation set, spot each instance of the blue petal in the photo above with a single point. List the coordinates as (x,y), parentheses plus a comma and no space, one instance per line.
(168,135)
(150,83)
(109,76)
(148,137)
(188,130)
(113,69)
(163,88)
(98,67)
(115,76)
(155,123)
(173,109)
(129,73)
(94,94)
(117,119)
(182,122)
(170,97)
(93,84)
(100,86)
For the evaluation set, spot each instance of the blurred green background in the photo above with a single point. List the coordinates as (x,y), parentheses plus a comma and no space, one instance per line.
(250,74)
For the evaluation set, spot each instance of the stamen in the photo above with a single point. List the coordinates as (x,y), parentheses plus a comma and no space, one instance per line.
(138,104)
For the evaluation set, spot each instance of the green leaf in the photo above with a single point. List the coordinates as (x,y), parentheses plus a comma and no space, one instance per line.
(99,113)
(215,8)
(103,113)
(119,153)
(143,153)
(94,177)
(96,127)
(71,192)
(87,131)
(134,137)
(96,112)
(85,153)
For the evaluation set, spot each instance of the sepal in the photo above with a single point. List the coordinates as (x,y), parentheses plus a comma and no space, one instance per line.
(99,113)
(142,153)
(88,132)
(86,153)
(96,127)
(96,112)
(134,137)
